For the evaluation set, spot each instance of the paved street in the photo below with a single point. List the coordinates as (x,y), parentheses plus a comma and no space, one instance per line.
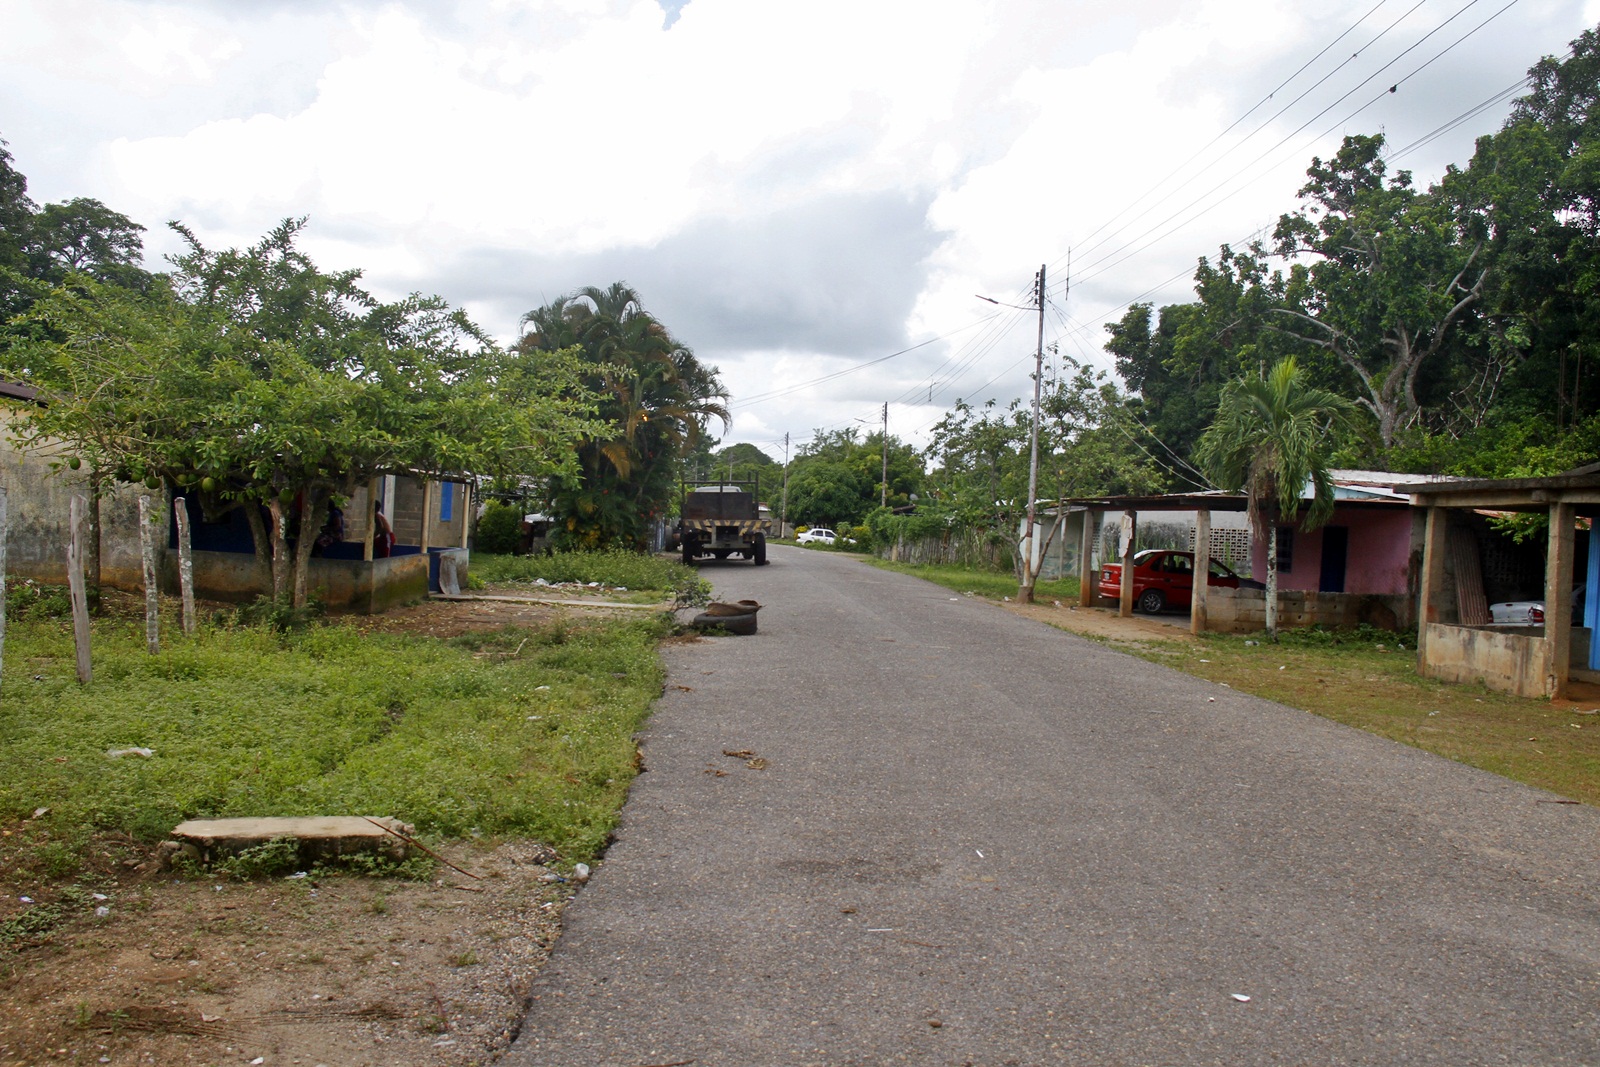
(979,840)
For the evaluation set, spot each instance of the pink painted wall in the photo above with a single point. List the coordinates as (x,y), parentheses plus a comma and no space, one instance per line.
(1375,561)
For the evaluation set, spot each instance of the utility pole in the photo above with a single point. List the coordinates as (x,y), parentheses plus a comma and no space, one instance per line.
(783,508)
(1025,589)
(883,502)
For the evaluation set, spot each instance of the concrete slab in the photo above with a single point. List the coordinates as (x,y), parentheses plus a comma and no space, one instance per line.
(319,836)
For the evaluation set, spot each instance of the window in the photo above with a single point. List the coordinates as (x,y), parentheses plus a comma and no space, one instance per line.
(447,501)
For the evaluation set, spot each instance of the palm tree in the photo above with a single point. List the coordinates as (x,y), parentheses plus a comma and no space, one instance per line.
(655,395)
(1271,438)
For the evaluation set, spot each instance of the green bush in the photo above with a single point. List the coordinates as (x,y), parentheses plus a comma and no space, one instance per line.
(499,529)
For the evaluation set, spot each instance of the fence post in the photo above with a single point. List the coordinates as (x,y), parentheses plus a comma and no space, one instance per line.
(180,516)
(75,587)
(152,602)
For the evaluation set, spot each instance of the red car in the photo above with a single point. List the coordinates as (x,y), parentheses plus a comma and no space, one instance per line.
(1162,579)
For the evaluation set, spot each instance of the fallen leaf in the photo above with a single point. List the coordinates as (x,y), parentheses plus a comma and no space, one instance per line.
(757,764)
(738,753)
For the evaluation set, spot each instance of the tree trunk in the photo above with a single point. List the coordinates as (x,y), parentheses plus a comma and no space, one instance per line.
(1272,582)
(280,551)
(260,538)
(313,513)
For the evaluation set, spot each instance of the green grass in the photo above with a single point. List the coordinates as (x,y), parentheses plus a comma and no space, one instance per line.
(467,736)
(992,585)
(634,571)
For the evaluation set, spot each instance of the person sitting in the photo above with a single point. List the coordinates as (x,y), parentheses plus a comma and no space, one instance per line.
(382,533)
(332,530)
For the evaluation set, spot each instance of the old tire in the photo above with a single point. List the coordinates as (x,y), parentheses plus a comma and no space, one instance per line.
(742,625)
(1151,601)
(759,554)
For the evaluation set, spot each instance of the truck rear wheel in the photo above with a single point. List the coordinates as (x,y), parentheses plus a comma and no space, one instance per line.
(758,550)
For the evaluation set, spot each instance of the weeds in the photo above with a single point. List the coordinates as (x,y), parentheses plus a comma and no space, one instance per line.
(278,856)
(251,722)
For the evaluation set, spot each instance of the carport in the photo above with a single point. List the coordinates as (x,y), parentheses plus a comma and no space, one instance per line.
(1377,535)
(1455,641)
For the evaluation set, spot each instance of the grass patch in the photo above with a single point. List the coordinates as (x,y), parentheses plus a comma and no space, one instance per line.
(636,572)
(992,585)
(249,722)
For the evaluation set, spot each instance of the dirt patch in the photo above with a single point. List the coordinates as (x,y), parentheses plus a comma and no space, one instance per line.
(452,618)
(1103,623)
(340,971)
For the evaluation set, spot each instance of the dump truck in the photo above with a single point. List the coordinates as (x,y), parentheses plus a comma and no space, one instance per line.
(723,520)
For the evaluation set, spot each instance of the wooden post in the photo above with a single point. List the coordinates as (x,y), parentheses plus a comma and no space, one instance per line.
(2,578)
(1202,572)
(180,515)
(466,511)
(1087,537)
(1434,550)
(1558,602)
(1130,533)
(152,602)
(75,588)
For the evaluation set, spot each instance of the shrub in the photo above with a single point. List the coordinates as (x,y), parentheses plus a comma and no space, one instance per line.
(499,529)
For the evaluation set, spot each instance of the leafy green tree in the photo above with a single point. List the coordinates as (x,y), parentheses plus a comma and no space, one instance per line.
(827,492)
(263,383)
(1532,190)
(851,469)
(1393,277)
(1271,439)
(16,223)
(86,236)
(1177,367)
(655,399)
(981,455)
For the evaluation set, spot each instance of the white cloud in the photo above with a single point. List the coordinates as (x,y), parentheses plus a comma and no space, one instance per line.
(827,177)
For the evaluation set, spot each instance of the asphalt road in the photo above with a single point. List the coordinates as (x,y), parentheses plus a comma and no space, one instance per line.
(979,840)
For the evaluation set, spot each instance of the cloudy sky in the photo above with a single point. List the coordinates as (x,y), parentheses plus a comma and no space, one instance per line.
(810,195)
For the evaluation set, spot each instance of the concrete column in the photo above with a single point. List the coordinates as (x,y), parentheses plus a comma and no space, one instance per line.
(427,512)
(1434,550)
(1202,572)
(1086,542)
(1558,601)
(372,525)
(1130,530)
(1591,596)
